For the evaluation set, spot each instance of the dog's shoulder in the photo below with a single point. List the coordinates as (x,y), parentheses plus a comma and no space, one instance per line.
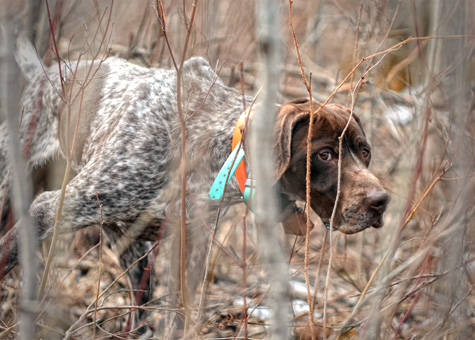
(198,70)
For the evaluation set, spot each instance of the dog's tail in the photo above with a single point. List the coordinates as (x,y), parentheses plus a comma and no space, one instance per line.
(27,58)
(38,120)
(4,174)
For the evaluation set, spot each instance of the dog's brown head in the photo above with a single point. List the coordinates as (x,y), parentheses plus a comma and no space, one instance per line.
(362,199)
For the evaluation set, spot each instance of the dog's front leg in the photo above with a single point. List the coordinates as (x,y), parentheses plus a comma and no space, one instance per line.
(9,251)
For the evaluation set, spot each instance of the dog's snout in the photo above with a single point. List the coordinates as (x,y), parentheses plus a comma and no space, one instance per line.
(378,201)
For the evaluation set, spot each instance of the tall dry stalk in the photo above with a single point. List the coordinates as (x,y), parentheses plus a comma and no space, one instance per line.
(183,162)
(183,166)
(308,180)
(20,186)
(262,139)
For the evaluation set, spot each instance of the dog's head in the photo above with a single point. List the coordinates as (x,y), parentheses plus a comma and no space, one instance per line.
(362,199)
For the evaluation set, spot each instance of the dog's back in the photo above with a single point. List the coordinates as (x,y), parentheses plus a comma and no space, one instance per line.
(37,134)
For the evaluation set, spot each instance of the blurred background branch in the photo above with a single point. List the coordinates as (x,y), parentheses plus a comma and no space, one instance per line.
(263,164)
(19,183)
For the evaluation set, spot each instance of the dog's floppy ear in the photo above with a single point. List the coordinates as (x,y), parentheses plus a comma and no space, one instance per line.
(289,115)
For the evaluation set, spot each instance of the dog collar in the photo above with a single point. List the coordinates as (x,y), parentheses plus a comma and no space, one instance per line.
(235,164)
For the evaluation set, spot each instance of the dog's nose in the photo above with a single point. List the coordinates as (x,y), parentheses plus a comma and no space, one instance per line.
(378,201)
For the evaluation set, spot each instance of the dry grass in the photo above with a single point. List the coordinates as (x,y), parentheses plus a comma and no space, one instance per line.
(412,279)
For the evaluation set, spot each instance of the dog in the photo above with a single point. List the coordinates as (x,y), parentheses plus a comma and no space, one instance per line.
(118,125)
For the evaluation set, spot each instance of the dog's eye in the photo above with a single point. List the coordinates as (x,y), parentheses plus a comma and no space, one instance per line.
(325,156)
(365,152)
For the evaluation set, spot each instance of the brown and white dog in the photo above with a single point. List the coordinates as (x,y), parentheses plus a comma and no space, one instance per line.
(126,152)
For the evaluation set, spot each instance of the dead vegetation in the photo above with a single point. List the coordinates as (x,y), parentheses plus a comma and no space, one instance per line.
(413,88)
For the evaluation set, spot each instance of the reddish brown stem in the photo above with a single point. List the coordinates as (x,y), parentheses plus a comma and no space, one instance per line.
(308,85)
(51,26)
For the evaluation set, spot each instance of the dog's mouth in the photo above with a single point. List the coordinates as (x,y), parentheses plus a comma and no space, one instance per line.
(357,214)
(353,227)
(379,222)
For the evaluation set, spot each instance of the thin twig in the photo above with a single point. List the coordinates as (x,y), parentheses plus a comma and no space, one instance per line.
(98,288)
(308,85)
(244,277)
(55,49)
(357,37)
(319,267)
(161,19)
(183,165)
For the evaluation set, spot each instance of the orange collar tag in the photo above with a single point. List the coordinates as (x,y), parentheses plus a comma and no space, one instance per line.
(240,172)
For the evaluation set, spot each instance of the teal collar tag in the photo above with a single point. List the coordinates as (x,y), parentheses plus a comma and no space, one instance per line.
(227,171)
